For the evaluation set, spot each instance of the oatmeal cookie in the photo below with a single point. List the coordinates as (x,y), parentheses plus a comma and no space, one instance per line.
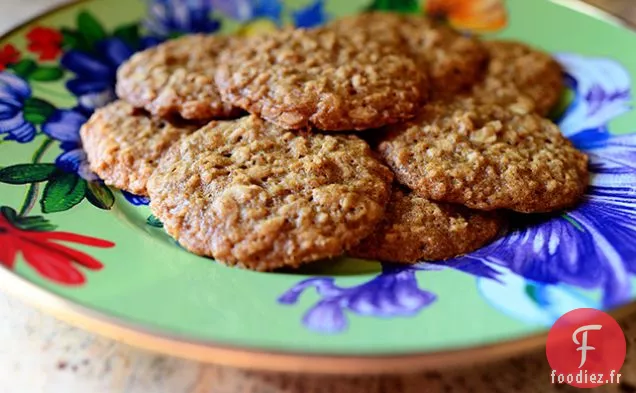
(249,193)
(177,77)
(454,61)
(416,229)
(300,78)
(123,145)
(486,157)
(520,77)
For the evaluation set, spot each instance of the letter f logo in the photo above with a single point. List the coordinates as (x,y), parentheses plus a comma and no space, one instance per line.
(583,344)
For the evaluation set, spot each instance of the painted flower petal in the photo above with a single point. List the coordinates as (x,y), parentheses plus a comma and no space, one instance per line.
(11,123)
(22,134)
(395,293)
(615,156)
(8,250)
(84,86)
(64,125)
(75,161)
(14,86)
(602,88)
(52,265)
(72,255)
(612,212)
(86,65)
(115,51)
(240,10)
(326,317)
(71,237)
(310,16)
(324,286)
(136,200)
(8,111)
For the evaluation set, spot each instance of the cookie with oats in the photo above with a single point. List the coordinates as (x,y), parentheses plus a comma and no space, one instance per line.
(416,229)
(177,77)
(252,194)
(520,77)
(299,79)
(486,157)
(454,61)
(123,144)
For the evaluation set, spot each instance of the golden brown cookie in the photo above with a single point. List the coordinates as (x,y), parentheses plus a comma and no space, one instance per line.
(454,61)
(486,157)
(416,229)
(316,78)
(249,193)
(521,77)
(123,145)
(177,77)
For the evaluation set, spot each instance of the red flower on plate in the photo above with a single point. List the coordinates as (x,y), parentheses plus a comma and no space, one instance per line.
(46,42)
(41,250)
(8,55)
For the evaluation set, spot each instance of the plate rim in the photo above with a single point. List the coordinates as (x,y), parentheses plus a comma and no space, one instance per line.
(207,351)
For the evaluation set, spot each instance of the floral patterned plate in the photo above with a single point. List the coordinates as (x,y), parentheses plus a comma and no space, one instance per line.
(96,256)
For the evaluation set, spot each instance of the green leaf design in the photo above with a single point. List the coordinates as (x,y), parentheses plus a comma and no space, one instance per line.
(24,68)
(72,39)
(47,74)
(32,223)
(100,195)
(90,28)
(154,221)
(37,111)
(27,173)
(404,6)
(531,291)
(63,192)
(129,34)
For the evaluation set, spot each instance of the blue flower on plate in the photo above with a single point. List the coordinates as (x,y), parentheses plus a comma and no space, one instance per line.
(14,93)
(172,17)
(546,265)
(393,293)
(96,71)
(311,15)
(590,247)
(247,10)
(64,126)
(136,200)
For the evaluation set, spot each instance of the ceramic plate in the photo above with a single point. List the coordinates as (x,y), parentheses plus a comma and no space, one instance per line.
(97,257)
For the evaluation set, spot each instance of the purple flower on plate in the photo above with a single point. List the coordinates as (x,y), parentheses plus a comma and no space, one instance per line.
(136,200)
(64,126)
(542,265)
(14,95)
(393,293)
(167,18)
(96,71)
(247,10)
(311,16)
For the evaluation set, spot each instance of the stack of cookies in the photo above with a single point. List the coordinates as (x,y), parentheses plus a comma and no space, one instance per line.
(380,136)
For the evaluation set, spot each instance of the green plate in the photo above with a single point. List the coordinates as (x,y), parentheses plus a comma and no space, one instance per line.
(97,257)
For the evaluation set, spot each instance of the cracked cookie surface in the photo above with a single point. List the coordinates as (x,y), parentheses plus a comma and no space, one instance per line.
(300,79)
(177,77)
(123,145)
(249,193)
(486,157)
(416,229)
